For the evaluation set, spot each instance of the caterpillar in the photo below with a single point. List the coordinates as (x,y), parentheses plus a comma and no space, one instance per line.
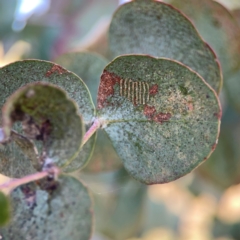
(136,92)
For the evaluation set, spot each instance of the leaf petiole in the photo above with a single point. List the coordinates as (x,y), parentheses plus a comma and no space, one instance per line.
(7,187)
(95,126)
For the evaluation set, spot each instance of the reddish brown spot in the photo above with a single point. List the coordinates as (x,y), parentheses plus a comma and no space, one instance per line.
(162,117)
(153,89)
(150,113)
(214,146)
(55,68)
(190,106)
(218,115)
(106,87)
(205,159)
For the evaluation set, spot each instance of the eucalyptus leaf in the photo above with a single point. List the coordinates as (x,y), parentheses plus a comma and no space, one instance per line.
(14,162)
(222,168)
(19,156)
(27,146)
(4,209)
(63,213)
(218,27)
(158,29)
(104,156)
(124,208)
(89,67)
(162,117)
(20,73)
(47,115)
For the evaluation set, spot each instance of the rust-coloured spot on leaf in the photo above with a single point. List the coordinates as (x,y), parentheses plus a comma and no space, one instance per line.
(150,113)
(190,106)
(55,68)
(153,89)
(162,117)
(108,80)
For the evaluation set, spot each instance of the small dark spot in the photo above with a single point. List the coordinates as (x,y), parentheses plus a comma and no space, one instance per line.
(216,23)
(218,115)
(183,90)
(207,96)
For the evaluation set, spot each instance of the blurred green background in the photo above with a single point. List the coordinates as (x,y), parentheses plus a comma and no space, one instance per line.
(204,205)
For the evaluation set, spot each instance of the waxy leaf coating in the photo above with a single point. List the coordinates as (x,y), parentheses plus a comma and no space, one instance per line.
(19,73)
(64,212)
(156,28)
(162,117)
(47,115)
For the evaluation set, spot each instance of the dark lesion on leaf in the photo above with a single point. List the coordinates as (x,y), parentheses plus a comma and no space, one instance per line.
(106,87)
(55,68)
(153,89)
(49,184)
(151,113)
(29,195)
(183,90)
(36,131)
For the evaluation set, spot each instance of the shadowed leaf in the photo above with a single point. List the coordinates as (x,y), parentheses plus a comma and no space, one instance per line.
(155,28)
(62,213)
(47,115)
(89,67)
(16,155)
(162,117)
(20,73)
(223,166)
(4,209)
(218,27)
(104,156)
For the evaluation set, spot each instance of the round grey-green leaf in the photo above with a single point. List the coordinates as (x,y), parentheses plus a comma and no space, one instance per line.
(218,27)
(17,74)
(162,117)
(64,213)
(158,29)
(88,66)
(25,151)
(49,116)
